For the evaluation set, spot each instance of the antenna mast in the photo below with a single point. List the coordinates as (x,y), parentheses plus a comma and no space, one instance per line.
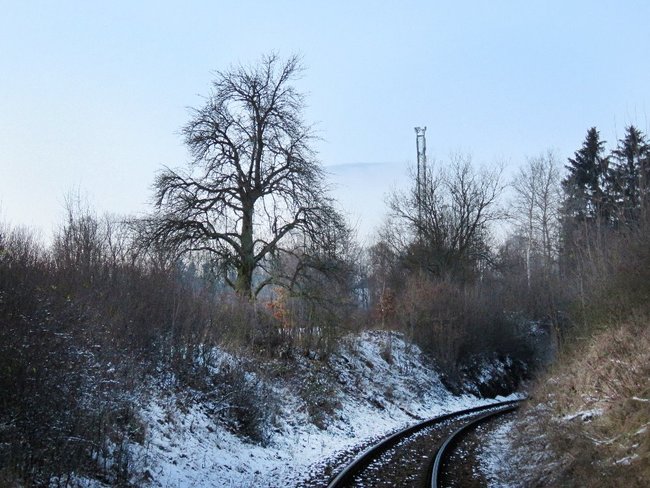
(421,182)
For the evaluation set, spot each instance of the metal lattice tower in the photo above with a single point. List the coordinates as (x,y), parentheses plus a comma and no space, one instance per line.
(421,182)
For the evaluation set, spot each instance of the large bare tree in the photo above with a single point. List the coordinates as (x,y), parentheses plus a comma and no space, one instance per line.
(446,223)
(254,183)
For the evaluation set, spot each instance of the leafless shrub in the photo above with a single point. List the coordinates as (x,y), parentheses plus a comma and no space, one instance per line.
(244,403)
(317,392)
(456,324)
(56,388)
(590,414)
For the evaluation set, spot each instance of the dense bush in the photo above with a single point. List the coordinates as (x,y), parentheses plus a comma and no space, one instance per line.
(89,325)
(79,331)
(589,415)
(612,276)
(64,399)
(318,393)
(457,324)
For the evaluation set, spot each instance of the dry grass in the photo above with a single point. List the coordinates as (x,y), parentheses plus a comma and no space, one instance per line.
(589,421)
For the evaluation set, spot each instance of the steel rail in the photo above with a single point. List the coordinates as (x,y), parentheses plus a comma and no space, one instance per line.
(363,459)
(443,450)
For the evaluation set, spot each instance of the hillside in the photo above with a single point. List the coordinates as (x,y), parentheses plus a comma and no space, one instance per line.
(587,420)
(312,409)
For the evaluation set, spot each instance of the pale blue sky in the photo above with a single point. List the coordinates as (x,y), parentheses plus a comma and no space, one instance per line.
(92,94)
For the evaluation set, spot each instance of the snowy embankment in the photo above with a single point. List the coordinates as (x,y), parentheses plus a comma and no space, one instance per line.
(376,383)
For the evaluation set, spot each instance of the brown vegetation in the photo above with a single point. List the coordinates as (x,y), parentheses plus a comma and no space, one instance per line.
(589,417)
(91,325)
(587,424)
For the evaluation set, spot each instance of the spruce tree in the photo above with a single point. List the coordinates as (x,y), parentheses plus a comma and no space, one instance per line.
(629,174)
(584,185)
(585,207)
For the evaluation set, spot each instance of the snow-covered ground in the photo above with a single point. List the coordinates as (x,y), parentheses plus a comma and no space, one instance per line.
(495,457)
(381,384)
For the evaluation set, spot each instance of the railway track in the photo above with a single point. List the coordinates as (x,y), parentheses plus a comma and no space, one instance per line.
(417,455)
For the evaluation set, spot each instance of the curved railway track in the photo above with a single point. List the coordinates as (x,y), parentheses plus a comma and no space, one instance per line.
(444,451)
(417,455)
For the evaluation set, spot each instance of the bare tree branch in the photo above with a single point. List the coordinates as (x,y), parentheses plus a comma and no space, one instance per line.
(253,180)
(449,222)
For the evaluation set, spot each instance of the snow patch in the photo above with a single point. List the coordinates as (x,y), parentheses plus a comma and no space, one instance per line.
(381,384)
(495,457)
(584,415)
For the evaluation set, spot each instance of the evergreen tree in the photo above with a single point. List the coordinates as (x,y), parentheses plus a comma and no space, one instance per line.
(586,207)
(584,185)
(629,176)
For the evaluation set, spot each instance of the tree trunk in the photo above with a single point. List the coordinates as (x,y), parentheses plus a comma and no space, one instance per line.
(244,283)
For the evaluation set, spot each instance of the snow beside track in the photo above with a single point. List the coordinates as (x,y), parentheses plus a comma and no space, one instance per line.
(382,384)
(496,455)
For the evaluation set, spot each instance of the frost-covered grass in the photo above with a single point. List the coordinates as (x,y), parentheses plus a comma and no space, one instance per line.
(374,384)
(495,457)
(588,422)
